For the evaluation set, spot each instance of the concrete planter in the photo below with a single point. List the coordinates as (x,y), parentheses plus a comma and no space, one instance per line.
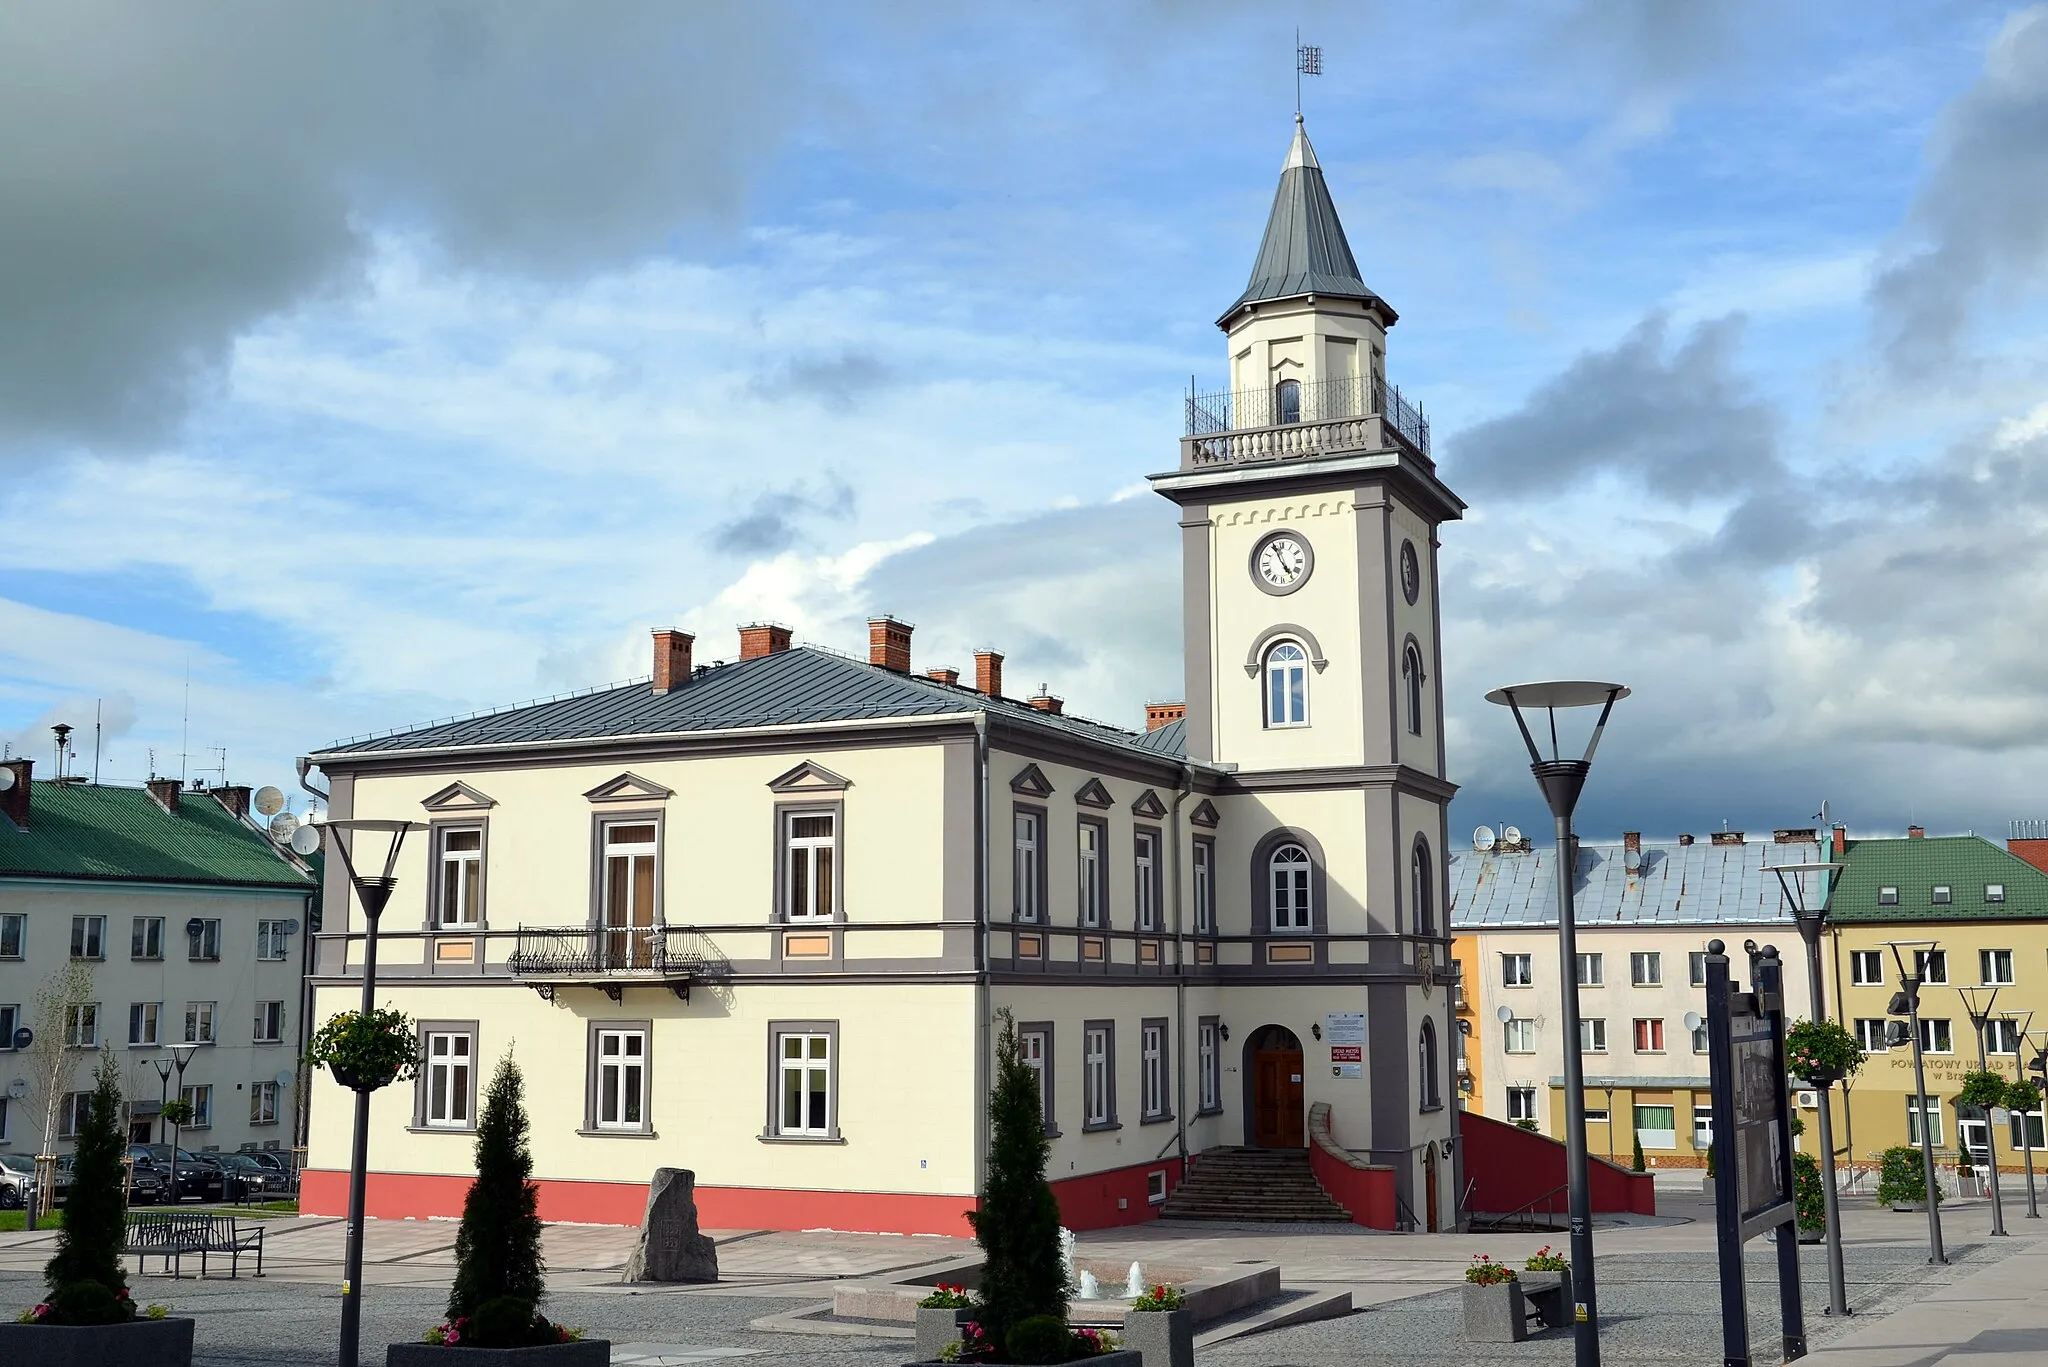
(1812,1236)
(582,1353)
(1909,1207)
(937,1328)
(1495,1314)
(1122,1357)
(1707,1189)
(138,1343)
(1549,1294)
(1164,1338)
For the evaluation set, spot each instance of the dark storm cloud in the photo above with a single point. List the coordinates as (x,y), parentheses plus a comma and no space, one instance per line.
(773,522)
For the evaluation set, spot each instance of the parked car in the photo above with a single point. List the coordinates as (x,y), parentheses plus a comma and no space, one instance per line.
(248,1180)
(148,1185)
(17,1180)
(279,1163)
(199,1177)
(63,1182)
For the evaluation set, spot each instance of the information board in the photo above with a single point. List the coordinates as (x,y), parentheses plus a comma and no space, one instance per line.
(1344,1032)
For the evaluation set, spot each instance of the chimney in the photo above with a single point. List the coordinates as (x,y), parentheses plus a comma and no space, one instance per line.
(1632,841)
(165,791)
(671,659)
(944,676)
(1841,840)
(1045,702)
(1916,832)
(1158,714)
(1727,837)
(235,798)
(762,638)
(988,673)
(14,799)
(1798,835)
(1685,839)
(889,643)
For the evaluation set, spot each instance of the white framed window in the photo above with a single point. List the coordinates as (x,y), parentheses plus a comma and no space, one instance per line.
(1519,1035)
(269,1027)
(461,893)
(88,937)
(1657,1126)
(1517,970)
(1994,893)
(202,940)
(1521,1103)
(263,1103)
(1649,1035)
(199,1022)
(1702,1127)
(82,1025)
(1024,851)
(632,863)
(146,938)
(806,1086)
(1593,1036)
(1866,967)
(1088,841)
(1286,685)
(10,1021)
(71,1114)
(2001,1036)
(1289,869)
(271,940)
(1034,1050)
(813,841)
(1154,1096)
(1699,1040)
(2031,1137)
(199,1097)
(1936,1037)
(1098,1076)
(1155,1187)
(1696,968)
(621,1079)
(1887,896)
(1145,875)
(1596,1116)
(1932,965)
(13,934)
(1208,1074)
(450,1080)
(1943,894)
(142,1024)
(1994,967)
(1592,970)
(1205,886)
(1645,969)
(1932,1105)
(1870,1034)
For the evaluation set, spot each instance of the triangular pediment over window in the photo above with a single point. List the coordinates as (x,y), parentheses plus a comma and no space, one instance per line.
(1093,794)
(1205,814)
(1031,782)
(1149,805)
(458,797)
(809,777)
(629,787)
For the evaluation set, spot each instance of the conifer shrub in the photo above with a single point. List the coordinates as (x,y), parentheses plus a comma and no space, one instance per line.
(86,1281)
(1809,1200)
(497,1249)
(1018,1220)
(1039,1338)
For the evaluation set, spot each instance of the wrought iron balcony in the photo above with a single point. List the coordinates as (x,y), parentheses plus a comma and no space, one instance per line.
(1293,420)
(604,956)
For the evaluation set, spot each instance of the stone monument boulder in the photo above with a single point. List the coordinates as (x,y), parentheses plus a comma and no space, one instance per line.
(669,1248)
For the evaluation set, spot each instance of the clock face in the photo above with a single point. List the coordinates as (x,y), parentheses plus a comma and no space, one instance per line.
(1411,573)
(1282,562)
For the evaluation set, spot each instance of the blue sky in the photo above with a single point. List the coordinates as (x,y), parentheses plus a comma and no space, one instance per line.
(377,365)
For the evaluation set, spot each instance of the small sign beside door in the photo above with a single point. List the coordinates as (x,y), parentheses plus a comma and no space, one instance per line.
(1344,1027)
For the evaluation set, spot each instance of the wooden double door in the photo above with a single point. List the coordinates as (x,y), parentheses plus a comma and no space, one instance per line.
(1278,1120)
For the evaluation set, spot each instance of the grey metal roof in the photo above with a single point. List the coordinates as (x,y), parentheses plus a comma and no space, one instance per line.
(1304,250)
(1170,739)
(1697,884)
(800,686)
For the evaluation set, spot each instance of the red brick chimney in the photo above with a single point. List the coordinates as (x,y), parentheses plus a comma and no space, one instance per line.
(165,791)
(1046,702)
(1685,839)
(762,638)
(1916,832)
(671,659)
(988,673)
(1727,837)
(14,802)
(1632,841)
(1158,714)
(944,676)
(235,798)
(1841,840)
(1795,835)
(889,643)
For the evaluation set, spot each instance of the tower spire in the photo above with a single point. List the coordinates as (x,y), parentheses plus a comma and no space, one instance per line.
(1304,250)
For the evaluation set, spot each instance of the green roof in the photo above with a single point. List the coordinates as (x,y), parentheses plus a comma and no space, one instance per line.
(1915,867)
(79,830)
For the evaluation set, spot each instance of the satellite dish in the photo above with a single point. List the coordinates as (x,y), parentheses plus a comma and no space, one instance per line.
(269,800)
(1482,839)
(1693,1020)
(6,779)
(194,926)
(283,1080)
(24,1037)
(1511,834)
(306,840)
(1505,1014)
(17,1090)
(291,927)
(1632,860)
(281,827)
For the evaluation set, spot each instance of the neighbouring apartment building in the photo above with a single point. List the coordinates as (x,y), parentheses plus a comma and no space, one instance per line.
(191,925)
(757,918)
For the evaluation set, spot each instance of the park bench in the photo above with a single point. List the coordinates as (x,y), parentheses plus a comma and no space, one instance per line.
(171,1235)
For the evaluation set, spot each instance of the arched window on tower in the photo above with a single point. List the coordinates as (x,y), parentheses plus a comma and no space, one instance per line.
(1290,870)
(1287,401)
(1426,1068)
(1422,881)
(1411,675)
(1286,685)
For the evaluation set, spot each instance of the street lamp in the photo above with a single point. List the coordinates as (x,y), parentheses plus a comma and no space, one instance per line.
(180,1056)
(1562,780)
(1979,1001)
(1809,888)
(1906,1002)
(374,893)
(2019,1049)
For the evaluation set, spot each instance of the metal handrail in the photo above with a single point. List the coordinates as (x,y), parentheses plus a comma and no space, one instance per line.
(652,951)
(1527,1209)
(1294,402)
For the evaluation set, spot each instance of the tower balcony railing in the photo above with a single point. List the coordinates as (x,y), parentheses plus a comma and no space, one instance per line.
(1296,419)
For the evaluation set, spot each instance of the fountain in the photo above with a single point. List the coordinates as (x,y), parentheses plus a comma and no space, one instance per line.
(1067,1261)
(1091,1290)
(1134,1284)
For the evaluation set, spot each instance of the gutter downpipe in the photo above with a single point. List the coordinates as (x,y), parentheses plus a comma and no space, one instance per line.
(1180,980)
(981,985)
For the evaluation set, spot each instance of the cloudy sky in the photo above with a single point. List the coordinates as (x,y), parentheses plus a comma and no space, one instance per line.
(363,365)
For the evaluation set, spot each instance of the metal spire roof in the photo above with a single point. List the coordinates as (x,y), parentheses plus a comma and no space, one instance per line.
(1304,251)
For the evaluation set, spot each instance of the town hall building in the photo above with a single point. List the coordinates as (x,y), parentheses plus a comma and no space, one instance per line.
(757,919)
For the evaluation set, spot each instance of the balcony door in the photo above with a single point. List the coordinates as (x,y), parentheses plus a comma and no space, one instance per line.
(628,912)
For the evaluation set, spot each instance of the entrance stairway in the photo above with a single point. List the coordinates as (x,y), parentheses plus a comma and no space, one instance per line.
(1268,1186)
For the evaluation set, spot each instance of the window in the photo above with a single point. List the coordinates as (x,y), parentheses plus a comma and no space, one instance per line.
(1887,897)
(1870,1034)
(1935,1037)
(1145,870)
(631,858)
(1026,885)
(1034,1046)
(1090,837)
(1428,1070)
(1943,894)
(1699,1040)
(82,1025)
(1516,970)
(13,934)
(1995,966)
(1286,685)
(1702,1127)
(88,937)
(270,940)
(1866,967)
(1932,1105)
(1290,871)
(805,1091)
(1205,886)
(1596,1116)
(1287,401)
(1519,1036)
(1646,970)
(142,1024)
(199,1022)
(1649,1036)
(450,1081)
(1098,1075)
(1411,678)
(269,1023)
(202,941)
(1592,972)
(1153,1093)
(1994,892)
(1657,1126)
(146,938)
(71,1114)
(1209,1077)
(10,1021)
(1521,1103)
(1593,1036)
(621,1078)
(263,1103)
(1422,884)
(460,894)
(811,838)
(2032,1137)
(200,1098)
(1931,964)
(1155,1187)
(1696,968)
(2002,1036)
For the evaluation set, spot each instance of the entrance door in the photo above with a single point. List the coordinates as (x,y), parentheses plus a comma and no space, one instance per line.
(1429,1187)
(1277,1121)
(1974,1136)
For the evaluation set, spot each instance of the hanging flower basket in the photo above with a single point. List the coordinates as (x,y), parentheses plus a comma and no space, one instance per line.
(367,1051)
(1821,1053)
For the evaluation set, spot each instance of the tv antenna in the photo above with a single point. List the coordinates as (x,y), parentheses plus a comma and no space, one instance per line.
(1308,61)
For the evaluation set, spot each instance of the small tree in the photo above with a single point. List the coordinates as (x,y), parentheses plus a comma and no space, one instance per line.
(1640,1166)
(1018,1222)
(497,1249)
(87,1284)
(51,1061)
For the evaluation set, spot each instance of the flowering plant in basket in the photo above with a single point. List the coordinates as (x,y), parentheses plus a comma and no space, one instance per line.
(1161,1297)
(1484,1271)
(367,1050)
(1543,1260)
(945,1297)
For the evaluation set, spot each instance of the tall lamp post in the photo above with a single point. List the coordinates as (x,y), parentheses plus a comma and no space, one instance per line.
(1562,780)
(2021,1032)
(1809,888)
(1979,1002)
(374,893)
(1906,1002)
(180,1056)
